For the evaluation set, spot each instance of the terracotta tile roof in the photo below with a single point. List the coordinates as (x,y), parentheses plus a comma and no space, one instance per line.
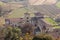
(15,19)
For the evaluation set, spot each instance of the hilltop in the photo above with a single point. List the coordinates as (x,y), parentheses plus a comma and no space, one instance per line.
(42,2)
(34,2)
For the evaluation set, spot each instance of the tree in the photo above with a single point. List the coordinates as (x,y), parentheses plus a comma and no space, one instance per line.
(27,28)
(36,38)
(43,37)
(0,10)
(12,33)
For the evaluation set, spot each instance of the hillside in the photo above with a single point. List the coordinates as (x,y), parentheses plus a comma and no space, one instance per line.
(58,4)
(42,2)
(19,13)
(1,3)
(49,10)
(34,2)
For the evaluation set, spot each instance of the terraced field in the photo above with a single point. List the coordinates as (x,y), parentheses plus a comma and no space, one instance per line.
(49,10)
(17,13)
(51,21)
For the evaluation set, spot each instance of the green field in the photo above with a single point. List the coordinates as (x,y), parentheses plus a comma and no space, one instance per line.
(51,21)
(58,4)
(19,13)
(1,3)
(57,27)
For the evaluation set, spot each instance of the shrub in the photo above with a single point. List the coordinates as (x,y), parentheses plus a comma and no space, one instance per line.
(12,33)
(43,37)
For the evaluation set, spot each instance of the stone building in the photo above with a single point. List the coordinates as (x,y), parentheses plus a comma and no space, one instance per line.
(38,25)
(23,23)
(14,21)
(37,22)
(27,17)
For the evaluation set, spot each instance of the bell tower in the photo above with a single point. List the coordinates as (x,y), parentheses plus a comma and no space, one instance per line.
(27,17)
